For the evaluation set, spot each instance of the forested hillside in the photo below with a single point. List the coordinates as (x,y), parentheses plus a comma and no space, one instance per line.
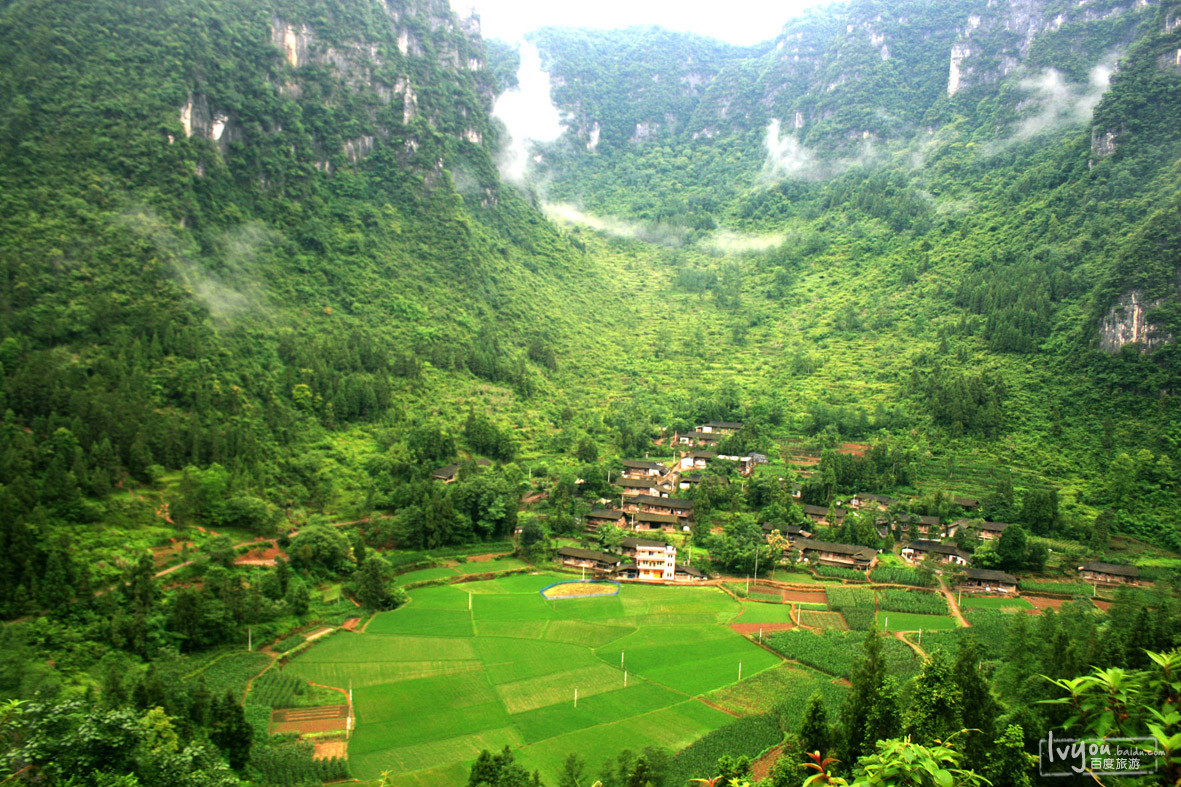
(968,186)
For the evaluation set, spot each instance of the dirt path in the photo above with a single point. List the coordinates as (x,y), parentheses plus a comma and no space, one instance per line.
(761,767)
(899,636)
(952,605)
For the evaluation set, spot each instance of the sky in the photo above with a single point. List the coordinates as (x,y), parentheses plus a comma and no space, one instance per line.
(735,21)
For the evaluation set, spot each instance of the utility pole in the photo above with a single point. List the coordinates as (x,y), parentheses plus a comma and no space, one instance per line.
(249,639)
(756,561)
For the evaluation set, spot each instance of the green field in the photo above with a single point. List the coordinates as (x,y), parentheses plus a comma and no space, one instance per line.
(909,621)
(481,665)
(989,602)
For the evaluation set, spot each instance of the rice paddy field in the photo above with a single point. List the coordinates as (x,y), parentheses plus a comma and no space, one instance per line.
(481,665)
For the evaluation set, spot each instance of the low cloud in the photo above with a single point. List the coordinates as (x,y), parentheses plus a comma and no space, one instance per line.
(529,115)
(1058,103)
(661,234)
(225,293)
(729,242)
(787,159)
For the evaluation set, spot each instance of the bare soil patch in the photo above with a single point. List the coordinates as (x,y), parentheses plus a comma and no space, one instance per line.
(351,624)
(1040,603)
(324,718)
(486,558)
(569,589)
(323,750)
(812,596)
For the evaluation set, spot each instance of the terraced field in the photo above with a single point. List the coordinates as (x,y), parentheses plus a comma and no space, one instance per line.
(481,665)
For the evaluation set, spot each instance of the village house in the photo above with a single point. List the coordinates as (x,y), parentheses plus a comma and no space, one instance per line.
(637,486)
(698,438)
(966,503)
(828,553)
(685,573)
(950,530)
(1109,573)
(669,523)
(446,474)
(658,505)
(590,559)
(653,559)
(790,532)
(634,468)
(820,513)
(697,460)
(990,531)
(687,481)
(724,427)
(604,516)
(943,553)
(863,500)
(986,580)
(924,525)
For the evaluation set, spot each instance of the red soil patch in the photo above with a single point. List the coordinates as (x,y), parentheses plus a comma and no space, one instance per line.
(259,557)
(351,624)
(812,596)
(854,449)
(1102,605)
(324,718)
(1040,603)
(761,768)
(161,555)
(803,459)
(323,750)
(753,629)
(717,707)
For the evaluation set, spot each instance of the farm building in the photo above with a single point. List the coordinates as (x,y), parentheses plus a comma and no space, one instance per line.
(697,460)
(667,522)
(943,553)
(446,474)
(635,468)
(991,531)
(589,559)
(924,525)
(966,503)
(687,481)
(831,554)
(1109,573)
(862,500)
(820,513)
(637,486)
(605,516)
(988,581)
(684,573)
(656,561)
(724,427)
(790,532)
(658,505)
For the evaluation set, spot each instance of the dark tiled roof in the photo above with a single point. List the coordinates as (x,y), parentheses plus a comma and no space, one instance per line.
(838,549)
(924,545)
(988,575)
(638,464)
(965,502)
(635,483)
(667,502)
(1111,568)
(688,570)
(811,510)
(883,499)
(664,519)
(791,530)
(445,471)
(605,513)
(724,424)
(994,526)
(703,455)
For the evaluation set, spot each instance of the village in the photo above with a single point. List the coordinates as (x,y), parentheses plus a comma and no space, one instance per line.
(648,505)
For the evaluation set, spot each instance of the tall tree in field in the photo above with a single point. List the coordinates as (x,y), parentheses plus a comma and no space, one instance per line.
(979,708)
(572,772)
(814,734)
(868,714)
(936,704)
(1010,549)
(230,731)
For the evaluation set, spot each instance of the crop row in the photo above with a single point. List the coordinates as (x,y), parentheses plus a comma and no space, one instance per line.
(840,598)
(749,737)
(837,572)
(900,575)
(912,601)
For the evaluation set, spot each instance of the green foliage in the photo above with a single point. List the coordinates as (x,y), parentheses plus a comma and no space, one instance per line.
(899,575)
(746,737)
(910,601)
(836,572)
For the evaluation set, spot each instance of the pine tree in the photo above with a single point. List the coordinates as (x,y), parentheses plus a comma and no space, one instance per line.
(572,772)
(979,709)
(1008,764)
(230,731)
(814,733)
(936,705)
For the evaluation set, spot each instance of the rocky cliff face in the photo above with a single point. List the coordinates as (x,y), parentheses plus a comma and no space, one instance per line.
(1127,323)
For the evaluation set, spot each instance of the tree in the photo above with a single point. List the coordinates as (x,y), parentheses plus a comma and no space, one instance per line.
(814,734)
(572,772)
(500,770)
(1008,764)
(936,705)
(1101,532)
(870,711)
(1010,548)
(1039,510)
(230,731)
(373,584)
(978,709)
(299,598)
